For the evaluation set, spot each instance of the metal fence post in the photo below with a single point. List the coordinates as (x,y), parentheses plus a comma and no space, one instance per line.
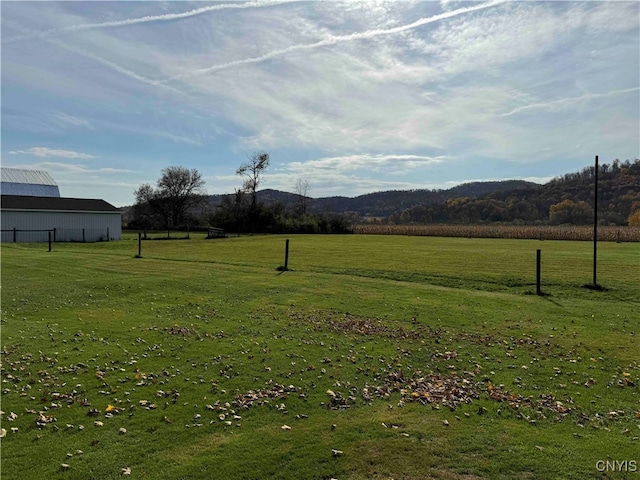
(595,226)
(14,234)
(49,240)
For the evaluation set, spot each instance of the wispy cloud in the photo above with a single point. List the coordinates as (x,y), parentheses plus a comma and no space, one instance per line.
(353,96)
(335,39)
(116,170)
(326,183)
(569,101)
(119,68)
(73,168)
(76,49)
(363,161)
(146,19)
(44,152)
(72,120)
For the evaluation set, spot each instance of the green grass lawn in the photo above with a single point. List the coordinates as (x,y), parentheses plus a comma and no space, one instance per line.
(373,357)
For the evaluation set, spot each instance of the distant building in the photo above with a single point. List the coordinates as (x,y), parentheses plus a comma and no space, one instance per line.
(29,216)
(17,181)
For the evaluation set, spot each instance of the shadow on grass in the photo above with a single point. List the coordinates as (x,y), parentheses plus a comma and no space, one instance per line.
(281,269)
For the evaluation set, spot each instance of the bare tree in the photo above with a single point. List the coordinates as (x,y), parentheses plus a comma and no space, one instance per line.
(302,190)
(178,190)
(253,172)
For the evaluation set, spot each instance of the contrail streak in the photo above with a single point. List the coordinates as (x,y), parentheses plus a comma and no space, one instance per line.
(150,18)
(334,40)
(567,102)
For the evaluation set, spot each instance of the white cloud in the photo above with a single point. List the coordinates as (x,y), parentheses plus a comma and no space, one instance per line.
(45,152)
(517,84)
(334,40)
(72,120)
(564,103)
(146,19)
(367,161)
(116,170)
(327,183)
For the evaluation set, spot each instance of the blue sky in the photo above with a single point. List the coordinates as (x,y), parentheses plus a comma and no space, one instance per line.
(353,97)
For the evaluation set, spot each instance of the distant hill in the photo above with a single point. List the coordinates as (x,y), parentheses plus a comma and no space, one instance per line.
(566,199)
(383,204)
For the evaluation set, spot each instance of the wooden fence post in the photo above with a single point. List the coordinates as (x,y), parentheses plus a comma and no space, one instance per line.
(538,255)
(139,245)
(286,255)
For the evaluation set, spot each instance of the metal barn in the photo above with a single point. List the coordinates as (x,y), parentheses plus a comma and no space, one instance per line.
(18,181)
(31,218)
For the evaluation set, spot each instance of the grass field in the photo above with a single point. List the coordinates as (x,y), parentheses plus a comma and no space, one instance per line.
(373,357)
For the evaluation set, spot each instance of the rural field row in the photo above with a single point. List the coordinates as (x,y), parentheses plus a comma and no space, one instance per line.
(605,233)
(374,357)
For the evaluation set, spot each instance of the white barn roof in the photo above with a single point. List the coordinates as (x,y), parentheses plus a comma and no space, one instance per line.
(17,181)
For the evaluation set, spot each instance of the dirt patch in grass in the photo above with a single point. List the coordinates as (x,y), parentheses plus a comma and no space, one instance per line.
(185,453)
(352,324)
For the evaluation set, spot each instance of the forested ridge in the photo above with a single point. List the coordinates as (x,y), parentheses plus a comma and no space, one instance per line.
(568,199)
(564,200)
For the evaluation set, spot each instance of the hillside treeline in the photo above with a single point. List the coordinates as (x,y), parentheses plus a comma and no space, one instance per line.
(565,200)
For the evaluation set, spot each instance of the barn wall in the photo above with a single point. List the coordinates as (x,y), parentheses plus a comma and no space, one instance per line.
(68,225)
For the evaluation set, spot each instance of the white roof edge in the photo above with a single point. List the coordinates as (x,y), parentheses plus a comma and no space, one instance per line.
(9,209)
(22,175)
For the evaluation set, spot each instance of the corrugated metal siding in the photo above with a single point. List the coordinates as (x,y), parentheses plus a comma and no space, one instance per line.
(68,226)
(25,189)
(20,175)
(18,181)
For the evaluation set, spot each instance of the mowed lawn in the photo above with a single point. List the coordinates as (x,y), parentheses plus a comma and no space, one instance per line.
(372,357)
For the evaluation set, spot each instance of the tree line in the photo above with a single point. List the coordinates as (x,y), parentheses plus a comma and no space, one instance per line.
(179,201)
(564,200)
